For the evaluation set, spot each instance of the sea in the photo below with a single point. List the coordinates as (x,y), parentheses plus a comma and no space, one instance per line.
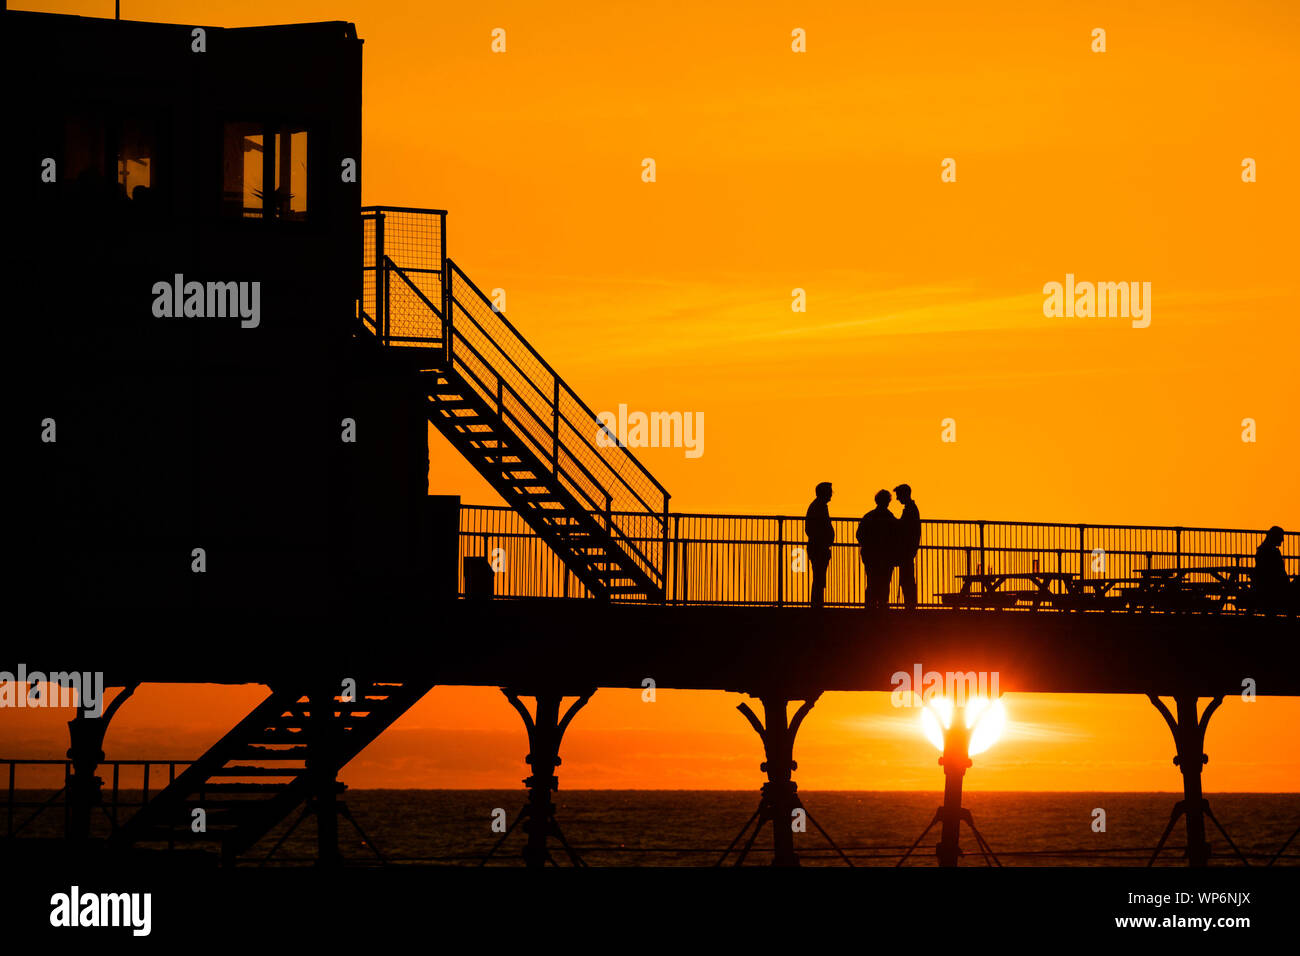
(695,828)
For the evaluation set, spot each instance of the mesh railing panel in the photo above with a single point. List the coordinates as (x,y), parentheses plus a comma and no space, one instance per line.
(413,240)
(410,320)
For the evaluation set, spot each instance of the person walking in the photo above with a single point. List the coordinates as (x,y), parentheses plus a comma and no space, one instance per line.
(1268,579)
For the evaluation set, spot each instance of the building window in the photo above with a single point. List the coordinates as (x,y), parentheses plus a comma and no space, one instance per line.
(258,154)
(110,159)
(136,145)
(291,174)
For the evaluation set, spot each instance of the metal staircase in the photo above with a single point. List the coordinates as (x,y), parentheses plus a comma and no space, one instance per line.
(503,407)
(269,764)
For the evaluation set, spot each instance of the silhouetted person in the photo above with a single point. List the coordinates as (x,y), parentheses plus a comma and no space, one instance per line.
(878,544)
(1269,582)
(909,543)
(821,535)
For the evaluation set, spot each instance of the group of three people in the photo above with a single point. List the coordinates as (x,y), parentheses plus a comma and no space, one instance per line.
(885,542)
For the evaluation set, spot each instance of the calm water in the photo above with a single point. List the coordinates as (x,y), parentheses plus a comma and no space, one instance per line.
(692,828)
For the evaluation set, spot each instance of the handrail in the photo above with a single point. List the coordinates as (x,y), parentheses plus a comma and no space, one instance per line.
(550,403)
(505,412)
(416,209)
(456,270)
(469,311)
(972,522)
(574,487)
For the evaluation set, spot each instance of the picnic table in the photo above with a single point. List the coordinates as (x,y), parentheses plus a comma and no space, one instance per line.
(1164,589)
(1103,594)
(992,595)
(1172,588)
(1228,575)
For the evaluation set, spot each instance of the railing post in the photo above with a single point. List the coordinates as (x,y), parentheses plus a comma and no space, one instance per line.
(388,328)
(663,558)
(1083,559)
(442,237)
(555,429)
(1178,547)
(677,547)
(381,273)
(448,300)
(984,568)
(683,572)
(780,564)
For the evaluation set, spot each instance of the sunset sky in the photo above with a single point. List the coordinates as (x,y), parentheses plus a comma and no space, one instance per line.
(821,171)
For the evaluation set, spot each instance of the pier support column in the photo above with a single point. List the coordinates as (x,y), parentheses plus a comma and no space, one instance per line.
(545,732)
(86,751)
(321,763)
(779,799)
(1189,740)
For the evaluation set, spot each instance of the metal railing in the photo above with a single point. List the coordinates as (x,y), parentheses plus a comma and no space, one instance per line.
(417,239)
(118,795)
(761,559)
(415,296)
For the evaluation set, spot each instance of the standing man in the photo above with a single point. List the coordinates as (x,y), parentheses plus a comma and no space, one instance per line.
(821,535)
(909,543)
(878,544)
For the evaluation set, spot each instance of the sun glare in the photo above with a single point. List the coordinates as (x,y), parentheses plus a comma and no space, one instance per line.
(984,719)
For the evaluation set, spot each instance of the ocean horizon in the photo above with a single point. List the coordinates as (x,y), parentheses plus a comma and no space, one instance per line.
(695,827)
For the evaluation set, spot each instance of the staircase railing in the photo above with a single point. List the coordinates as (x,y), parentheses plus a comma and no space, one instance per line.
(442,308)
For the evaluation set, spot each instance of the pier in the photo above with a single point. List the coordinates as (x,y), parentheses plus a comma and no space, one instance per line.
(282,534)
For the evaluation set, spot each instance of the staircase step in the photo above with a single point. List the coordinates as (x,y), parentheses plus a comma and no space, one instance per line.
(271,753)
(243,771)
(281,735)
(248,788)
(180,834)
(253,801)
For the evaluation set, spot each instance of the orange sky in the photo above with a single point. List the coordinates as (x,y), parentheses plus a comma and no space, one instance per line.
(822,171)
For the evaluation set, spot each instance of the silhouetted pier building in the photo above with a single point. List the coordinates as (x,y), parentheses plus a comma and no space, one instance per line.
(289,447)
